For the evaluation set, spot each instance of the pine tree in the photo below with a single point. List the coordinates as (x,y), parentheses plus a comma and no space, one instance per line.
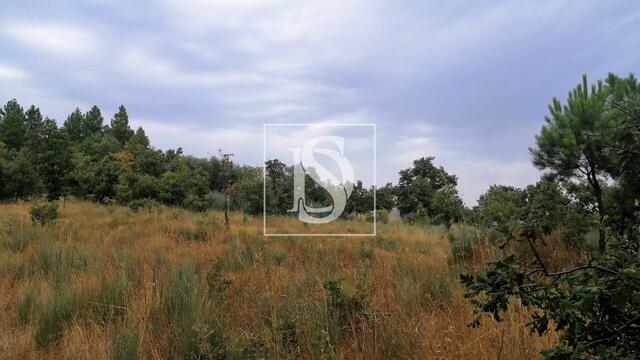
(120,126)
(140,139)
(567,147)
(92,121)
(73,126)
(13,127)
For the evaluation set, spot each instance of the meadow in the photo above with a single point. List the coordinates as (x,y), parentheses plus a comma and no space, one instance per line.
(104,281)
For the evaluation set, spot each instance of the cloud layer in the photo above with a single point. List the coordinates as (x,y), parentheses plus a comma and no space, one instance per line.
(466,83)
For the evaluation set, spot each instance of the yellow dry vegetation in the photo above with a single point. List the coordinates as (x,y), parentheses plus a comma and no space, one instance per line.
(107,282)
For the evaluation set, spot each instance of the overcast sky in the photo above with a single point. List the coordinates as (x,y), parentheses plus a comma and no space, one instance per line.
(466,82)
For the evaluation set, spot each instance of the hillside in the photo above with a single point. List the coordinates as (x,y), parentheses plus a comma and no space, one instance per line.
(105,281)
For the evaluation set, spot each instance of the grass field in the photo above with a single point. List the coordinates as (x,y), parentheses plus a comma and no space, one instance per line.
(105,282)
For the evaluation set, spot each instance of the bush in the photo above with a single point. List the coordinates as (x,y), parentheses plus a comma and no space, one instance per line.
(215,200)
(461,245)
(196,203)
(44,214)
(196,233)
(53,318)
(343,306)
(278,255)
(436,288)
(112,298)
(143,204)
(179,300)
(216,284)
(382,216)
(26,305)
(124,345)
(18,235)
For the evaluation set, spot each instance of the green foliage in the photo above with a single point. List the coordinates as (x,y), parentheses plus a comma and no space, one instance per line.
(199,232)
(278,255)
(343,307)
(568,145)
(27,305)
(143,204)
(45,214)
(120,126)
(111,302)
(382,216)
(18,235)
(53,318)
(179,300)
(418,185)
(13,127)
(216,283)
(594,306)
(124,345)
(461,244)
(545,204)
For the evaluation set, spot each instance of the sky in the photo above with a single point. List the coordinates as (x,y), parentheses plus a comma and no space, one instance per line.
(465,82)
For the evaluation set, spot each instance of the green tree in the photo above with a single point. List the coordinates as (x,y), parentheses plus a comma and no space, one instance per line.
(568,147)
(140,139)
(172,188)
(12,125)
(74,126)
(22,178)
(120,126)
(447,206)
(418,184)
(385,198)
(53,158)
(500,206)
(33,123)
(623,143)
(106,175)
(93,121)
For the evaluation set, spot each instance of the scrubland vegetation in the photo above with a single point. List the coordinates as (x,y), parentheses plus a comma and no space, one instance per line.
(108,282)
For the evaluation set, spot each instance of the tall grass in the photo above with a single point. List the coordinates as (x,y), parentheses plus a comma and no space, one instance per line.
(107,282)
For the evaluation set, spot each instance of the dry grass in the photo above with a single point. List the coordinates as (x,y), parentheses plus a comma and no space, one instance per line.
(104,282)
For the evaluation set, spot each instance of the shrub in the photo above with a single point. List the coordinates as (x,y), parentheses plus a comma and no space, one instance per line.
(143,204)
(215,200)
(18,235)
(288,334)
(45,214)
(436,288)
(196,203)
(26,306)
(112,298)
(179,300)
(246,348)
(382,216)
(196,233)
(124,345)
(343,306)
(57,261)
(365,252)
(53,318)
(278,255)
(386,243)
(216,284)
(462,239)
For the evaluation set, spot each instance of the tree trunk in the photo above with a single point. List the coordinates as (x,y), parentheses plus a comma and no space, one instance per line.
(597,192)
(226,211)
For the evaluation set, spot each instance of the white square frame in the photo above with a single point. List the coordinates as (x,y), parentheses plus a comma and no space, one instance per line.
(264,178)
